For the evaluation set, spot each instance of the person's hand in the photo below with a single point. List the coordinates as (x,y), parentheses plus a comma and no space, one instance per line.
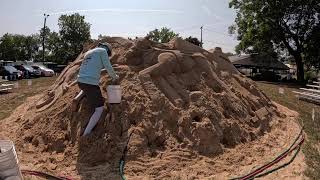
(115,81)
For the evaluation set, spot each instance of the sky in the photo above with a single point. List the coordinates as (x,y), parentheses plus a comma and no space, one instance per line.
(126,18)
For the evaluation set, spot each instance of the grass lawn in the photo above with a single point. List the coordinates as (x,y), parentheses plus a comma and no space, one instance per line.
(9,101)
(311,147)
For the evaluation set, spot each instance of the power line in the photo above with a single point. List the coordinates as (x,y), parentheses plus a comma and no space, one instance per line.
(188,27)
(44,35)
(181,30)
(201,36)
(217,32)
(221,43)
(224,45)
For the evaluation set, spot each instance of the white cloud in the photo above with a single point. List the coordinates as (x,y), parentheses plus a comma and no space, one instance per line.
(115,10)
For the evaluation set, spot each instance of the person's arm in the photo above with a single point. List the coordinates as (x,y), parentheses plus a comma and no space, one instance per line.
(107,65)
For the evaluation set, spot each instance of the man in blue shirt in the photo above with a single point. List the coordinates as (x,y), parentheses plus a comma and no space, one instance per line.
(88,81)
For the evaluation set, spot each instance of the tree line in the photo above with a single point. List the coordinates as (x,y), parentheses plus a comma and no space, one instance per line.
(61,47)
(165,34)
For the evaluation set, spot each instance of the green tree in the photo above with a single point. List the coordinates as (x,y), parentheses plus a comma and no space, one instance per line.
(193,40)
(74,32)
(18,47)
(270,25)
(43,34)
(229,54)
(32,44)
(100,36)
(56,51)
(313,50)
(7,47)
(162,36)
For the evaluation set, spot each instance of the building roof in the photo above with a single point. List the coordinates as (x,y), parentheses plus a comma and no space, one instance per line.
(258,61)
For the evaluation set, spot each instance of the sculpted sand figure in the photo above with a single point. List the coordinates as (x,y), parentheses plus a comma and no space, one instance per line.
(180,102)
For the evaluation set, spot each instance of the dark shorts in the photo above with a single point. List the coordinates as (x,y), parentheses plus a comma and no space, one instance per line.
(93,94)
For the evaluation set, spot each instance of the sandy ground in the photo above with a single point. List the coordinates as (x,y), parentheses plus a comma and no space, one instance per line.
(233,162)
(240,160)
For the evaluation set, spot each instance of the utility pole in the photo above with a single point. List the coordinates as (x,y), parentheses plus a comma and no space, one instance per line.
(201,35)
(44,35)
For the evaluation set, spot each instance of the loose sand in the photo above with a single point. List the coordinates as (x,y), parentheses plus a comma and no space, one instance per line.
(192,115)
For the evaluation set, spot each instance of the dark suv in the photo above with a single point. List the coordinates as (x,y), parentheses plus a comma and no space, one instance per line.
(9,72)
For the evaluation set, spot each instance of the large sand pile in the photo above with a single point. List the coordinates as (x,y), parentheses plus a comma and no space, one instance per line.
(180,103)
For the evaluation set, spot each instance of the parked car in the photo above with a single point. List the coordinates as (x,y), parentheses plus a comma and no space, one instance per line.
(6,63)
(44,70)
(58,68)
(9,72)
(37,71)
(28,71)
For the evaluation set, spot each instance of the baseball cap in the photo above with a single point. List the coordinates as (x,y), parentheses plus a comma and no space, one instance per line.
(107,46)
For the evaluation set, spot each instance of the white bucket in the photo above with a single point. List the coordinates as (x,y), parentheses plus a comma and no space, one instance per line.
(9,167)
(114,94)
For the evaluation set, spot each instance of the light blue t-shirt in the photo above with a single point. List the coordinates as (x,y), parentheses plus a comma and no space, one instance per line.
(94,61)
